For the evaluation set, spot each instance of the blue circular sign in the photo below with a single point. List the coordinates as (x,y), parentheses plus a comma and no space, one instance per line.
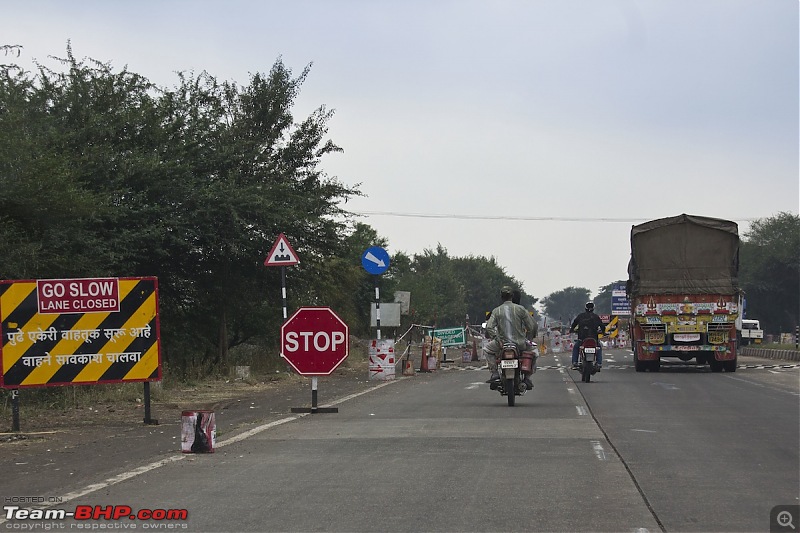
(375,260)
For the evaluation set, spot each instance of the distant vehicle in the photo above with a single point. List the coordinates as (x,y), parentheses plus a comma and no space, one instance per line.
(587,359)
(684,291)
(751,332)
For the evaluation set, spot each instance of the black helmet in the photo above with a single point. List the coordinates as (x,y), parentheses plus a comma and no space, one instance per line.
(590,306)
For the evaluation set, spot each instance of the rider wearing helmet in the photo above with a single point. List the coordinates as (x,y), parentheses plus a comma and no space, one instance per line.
(588,325)
(509,322)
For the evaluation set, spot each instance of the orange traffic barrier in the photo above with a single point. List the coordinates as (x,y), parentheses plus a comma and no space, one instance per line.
(423,364)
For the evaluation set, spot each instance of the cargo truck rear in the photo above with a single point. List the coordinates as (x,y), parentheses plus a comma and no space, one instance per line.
(684,291)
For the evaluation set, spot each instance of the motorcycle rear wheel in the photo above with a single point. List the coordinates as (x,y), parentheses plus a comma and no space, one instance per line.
(510,392)
(587,371)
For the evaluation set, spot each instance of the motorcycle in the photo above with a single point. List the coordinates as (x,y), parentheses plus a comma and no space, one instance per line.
(587,359)
(514,367)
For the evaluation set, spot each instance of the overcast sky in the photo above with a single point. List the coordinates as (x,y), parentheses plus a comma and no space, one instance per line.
(560,122)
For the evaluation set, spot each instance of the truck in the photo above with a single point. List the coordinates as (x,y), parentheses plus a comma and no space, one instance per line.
(750,332)
(684,291)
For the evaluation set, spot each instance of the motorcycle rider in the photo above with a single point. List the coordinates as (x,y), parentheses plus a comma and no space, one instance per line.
(508,322)
(588,325)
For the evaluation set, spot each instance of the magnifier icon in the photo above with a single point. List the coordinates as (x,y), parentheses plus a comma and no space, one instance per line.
(785,519)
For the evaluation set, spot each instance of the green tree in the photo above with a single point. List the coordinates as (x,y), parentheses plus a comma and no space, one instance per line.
(437,296)
(445,290)
(482,279)
(566,304)
(602,301)
(770,272)
(103,174)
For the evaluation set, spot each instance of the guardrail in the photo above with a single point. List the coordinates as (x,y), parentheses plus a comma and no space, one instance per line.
(785,355)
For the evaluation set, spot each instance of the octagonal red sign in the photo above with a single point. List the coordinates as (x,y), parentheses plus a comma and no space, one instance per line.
(315,341)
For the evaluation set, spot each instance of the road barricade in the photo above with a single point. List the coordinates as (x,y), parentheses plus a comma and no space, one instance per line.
(198,431)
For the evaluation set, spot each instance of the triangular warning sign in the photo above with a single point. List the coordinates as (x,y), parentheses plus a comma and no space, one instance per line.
(282,253)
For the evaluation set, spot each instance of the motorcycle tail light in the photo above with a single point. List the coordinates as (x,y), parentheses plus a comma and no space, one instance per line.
(508,354)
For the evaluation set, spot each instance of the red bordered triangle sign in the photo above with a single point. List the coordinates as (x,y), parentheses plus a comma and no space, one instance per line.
(282,253)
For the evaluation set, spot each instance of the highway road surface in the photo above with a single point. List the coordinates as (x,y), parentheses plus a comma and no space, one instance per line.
(679,450)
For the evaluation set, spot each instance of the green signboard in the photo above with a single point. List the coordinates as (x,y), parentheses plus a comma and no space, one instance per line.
(451,336)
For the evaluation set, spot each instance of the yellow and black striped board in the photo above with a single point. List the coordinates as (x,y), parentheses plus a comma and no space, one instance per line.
(79,331)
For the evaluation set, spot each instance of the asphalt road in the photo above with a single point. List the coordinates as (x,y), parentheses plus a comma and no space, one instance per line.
(679,450)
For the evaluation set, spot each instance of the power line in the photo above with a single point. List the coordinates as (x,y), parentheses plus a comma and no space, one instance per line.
(454,216)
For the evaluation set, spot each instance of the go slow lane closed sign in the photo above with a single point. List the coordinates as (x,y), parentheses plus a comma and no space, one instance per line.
(79,331)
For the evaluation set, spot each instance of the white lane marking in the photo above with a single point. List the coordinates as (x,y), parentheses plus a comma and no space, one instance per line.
(666,386)
(581,410)
(120,478)
(644,430)
(598,450)
(571,390)
(476,385)
(756,384)
(256,430)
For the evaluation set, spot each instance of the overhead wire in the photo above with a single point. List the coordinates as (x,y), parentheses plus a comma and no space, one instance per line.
(455,216)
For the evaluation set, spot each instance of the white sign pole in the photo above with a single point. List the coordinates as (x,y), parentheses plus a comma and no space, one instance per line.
(377,307)
(283,290)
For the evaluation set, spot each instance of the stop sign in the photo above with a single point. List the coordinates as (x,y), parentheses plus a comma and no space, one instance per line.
(315,341)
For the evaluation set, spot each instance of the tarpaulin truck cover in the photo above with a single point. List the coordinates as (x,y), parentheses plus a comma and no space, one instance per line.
(686,254)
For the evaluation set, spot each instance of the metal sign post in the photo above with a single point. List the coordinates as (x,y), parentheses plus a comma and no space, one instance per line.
(315,341)
(375,261)
(14,409)
(377,307)
(282,254)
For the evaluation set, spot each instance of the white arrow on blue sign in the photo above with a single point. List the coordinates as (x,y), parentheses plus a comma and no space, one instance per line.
(375,260)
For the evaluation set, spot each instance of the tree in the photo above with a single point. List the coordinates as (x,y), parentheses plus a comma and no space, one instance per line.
(104,174)
(437,295)
(770,271)
(445,290)
(482,279)
(602,301)
(565,304)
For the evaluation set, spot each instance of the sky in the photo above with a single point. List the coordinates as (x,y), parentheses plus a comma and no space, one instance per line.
(536,132)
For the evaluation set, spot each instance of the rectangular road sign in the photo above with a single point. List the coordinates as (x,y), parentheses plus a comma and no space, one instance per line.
(620,305)
(79,331)
(451,336)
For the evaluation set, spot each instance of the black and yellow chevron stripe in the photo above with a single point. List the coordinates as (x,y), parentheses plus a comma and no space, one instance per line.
(41,349)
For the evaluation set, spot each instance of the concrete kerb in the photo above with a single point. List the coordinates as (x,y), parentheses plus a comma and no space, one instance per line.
(784,355)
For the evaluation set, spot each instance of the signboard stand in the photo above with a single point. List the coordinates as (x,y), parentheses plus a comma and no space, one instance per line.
(282,254)
(377,308)
(147,419)
(283,290)
(314,409)
(314,341)
(14,409)
(375,261)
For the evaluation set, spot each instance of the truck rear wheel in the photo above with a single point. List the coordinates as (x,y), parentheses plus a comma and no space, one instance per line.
(640,366)
(655,366)
(729,366)
(716,366)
